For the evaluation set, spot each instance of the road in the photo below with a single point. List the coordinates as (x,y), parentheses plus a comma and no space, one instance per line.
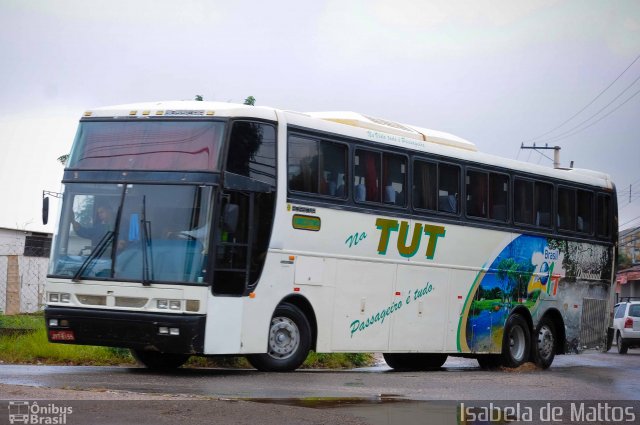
(369,395)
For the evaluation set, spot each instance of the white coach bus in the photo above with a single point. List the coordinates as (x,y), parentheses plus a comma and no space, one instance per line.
(201,228)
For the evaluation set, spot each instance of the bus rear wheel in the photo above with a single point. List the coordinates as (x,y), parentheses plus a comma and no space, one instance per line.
(289,341)
(414,361)
(159,361)
(544,349)
(517,341)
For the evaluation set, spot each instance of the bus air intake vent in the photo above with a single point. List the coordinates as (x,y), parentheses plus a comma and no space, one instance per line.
(92,299)
(131,302)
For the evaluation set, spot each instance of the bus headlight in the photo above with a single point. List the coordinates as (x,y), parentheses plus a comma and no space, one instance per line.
(59,297)
(164,304)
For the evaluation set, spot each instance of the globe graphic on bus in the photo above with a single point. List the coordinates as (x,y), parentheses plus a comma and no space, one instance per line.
(544,273)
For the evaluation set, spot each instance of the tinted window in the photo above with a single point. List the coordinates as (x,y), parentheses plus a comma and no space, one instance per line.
(252,151)
(394,172)
(498,197)
(604,215)
(379,177)
(366,184)
(533,202)
(619,312)
(477,185)
(523,201)
(448,188)
(584,209)
(425,185)
(543,203)
(566,209)
(317,166)
(634,310)
(147,145)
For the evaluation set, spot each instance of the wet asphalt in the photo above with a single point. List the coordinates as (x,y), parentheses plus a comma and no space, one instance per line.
(375,395)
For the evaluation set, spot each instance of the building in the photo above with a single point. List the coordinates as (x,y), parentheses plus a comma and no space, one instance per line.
(629,243)
(24,258)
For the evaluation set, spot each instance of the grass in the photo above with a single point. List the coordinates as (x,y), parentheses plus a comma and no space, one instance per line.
(30,346)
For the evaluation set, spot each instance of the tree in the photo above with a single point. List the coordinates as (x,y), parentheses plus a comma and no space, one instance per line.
(624,261)
(515,278)
(199,98)
(63,159)
(250,101)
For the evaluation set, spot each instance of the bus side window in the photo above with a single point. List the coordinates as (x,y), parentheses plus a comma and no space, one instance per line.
(498,196)
(604,214)
(523,201)
(543,202)
(317,166)
(584,211)
(425,185)
(367,176)
(448,188)
(395,177)
(566,209)
(252,151)
(477,194)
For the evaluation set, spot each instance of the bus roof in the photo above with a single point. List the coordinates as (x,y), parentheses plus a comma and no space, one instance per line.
(356,125)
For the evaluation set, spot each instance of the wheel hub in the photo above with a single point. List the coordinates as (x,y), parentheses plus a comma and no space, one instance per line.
(545,342)
(517,343)
(284,337)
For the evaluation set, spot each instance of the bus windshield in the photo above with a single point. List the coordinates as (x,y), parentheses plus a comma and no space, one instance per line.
(133,232)
(147,145)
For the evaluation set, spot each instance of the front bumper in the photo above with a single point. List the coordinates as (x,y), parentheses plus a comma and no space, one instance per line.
(125,329)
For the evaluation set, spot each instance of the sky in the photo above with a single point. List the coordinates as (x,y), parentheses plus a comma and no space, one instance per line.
(498,73)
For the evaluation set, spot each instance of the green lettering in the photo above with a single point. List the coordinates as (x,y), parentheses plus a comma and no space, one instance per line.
(403,249)
(386,226)
(434,232)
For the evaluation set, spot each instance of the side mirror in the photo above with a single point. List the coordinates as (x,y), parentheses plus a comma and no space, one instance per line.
(45,210)
(230,215)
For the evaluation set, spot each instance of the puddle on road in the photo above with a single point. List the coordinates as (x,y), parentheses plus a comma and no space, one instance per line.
(387,409)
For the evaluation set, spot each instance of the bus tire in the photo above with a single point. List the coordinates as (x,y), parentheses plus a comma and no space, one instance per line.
(414,361)
(544,343)
(289,341)
(155,360)
(516,342)
(489,361)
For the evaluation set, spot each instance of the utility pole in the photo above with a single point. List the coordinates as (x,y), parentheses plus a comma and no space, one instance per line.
(556,152)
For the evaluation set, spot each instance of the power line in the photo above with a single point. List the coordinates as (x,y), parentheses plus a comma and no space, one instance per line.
(568,132)
(588,104)
(629,221)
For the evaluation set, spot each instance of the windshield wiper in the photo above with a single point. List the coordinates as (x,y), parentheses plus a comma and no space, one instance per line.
(97,252)
(146,244)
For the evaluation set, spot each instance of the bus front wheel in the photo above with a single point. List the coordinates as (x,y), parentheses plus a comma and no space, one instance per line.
(517,341)
(289,341)
(159,361)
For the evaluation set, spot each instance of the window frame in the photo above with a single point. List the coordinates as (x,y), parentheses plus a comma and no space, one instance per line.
(318,140)
(437,163)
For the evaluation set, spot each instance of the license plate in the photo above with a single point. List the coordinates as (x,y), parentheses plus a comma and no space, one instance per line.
(636,325)
(62,335)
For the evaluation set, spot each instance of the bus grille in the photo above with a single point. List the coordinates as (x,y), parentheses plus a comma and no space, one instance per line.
(593,329)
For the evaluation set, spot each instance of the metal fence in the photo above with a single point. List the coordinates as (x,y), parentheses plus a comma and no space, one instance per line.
(22,288)
(22,272)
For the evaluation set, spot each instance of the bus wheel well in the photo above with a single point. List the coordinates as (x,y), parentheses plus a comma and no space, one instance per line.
(526,314)
(555,316)
(305,306)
